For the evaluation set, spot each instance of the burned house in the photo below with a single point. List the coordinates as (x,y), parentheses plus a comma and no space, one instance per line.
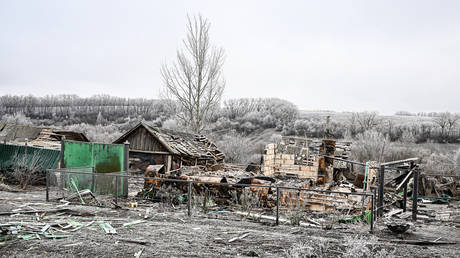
(304,158)
(38,136)
(150,145)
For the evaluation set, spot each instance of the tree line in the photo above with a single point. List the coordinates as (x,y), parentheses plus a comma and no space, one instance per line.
(244,116)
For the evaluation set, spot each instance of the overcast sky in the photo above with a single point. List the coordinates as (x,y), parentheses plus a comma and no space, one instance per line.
(336,55)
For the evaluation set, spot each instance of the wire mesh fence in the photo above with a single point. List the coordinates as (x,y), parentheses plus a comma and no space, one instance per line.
(269,203)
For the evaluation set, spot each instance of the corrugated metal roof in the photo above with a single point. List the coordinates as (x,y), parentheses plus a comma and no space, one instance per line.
(39,157)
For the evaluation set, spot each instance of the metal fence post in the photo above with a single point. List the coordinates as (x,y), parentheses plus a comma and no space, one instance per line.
(415,195)
(126,169)
(189,199)
(278,193)
(372,211)
(116,189)
(93,183)
(62,165)
(381,190)
(47,185)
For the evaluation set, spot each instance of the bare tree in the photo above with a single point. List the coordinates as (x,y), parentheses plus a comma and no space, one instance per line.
(364,120)
(446,122)
(195,81)
(452,122)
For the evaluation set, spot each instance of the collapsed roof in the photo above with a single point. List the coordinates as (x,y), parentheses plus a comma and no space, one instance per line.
(37,135)
(186,145)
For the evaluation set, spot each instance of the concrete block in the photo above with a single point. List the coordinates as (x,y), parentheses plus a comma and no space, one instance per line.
(288,162)
(271,146)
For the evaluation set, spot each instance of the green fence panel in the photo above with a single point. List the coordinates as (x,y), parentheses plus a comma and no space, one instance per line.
(27,156)
(105,158)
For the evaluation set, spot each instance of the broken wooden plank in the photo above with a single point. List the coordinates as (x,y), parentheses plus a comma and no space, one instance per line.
(238,237)
(133,223)
(134,241)
(32,212)
(260,216)
(404,181)
(417,242)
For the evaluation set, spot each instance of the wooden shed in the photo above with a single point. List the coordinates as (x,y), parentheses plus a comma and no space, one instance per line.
(38,136)
(150,145)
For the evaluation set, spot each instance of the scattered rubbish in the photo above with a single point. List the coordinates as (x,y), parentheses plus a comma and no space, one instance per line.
(138,254)
(81,194)
(398,226)
(128,224)
(107,227)
(238,238)
(45,228)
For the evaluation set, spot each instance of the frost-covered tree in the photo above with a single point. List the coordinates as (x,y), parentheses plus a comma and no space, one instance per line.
(196,80)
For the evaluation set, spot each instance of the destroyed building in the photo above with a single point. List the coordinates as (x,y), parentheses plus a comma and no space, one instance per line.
(38,136)
(150,145)
(33,147)
(305,158)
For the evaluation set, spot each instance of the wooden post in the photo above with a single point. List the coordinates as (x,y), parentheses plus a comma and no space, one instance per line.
(168,163)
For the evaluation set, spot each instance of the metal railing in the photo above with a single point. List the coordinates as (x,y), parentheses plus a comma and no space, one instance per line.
(190,183)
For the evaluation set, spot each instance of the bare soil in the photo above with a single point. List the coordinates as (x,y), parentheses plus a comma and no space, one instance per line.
(169,232)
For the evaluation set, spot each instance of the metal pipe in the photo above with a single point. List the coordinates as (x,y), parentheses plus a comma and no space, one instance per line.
(116,189)
(372,212)
(278,193)
(344,160)
(381,190)
(415,195)
(93,179)
(398,162)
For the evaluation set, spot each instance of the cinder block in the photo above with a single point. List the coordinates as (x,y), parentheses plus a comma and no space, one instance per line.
(271,146)
(288,162)
(305,168)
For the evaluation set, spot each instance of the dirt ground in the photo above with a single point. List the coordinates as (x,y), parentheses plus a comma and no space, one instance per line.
(162,232)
